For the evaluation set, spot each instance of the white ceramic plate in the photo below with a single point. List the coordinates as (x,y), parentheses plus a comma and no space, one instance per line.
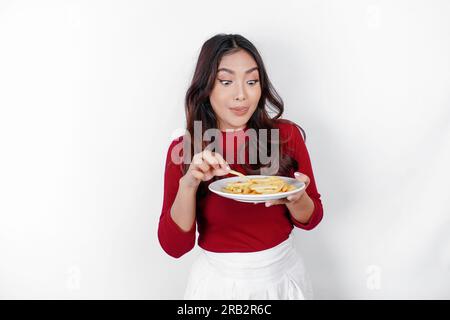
(218,185)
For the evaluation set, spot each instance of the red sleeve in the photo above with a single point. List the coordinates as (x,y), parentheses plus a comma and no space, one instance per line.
(301,155)
(174,240)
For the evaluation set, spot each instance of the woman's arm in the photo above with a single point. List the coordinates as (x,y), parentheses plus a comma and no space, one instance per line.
(183,208)
(302,209)
(174,240)
(177,224)
(307,212)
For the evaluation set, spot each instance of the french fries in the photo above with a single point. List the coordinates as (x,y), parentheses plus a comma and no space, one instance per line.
(259,186)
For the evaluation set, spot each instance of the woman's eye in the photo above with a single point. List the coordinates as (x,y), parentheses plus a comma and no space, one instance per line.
(225,82)
(252,82)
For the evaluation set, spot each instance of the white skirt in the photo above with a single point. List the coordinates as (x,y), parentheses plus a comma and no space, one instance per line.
(277,273)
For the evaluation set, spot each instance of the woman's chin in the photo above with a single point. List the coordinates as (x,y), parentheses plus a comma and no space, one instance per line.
(235,126)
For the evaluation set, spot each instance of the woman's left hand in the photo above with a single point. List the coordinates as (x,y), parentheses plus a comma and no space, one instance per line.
(293,197)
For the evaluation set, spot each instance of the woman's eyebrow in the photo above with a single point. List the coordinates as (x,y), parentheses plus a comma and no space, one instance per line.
(232,72)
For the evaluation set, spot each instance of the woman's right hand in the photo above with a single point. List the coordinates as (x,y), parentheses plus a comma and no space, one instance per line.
(204,166)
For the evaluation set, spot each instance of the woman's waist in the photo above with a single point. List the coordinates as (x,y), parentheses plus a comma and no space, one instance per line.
(255,238)
(259,263)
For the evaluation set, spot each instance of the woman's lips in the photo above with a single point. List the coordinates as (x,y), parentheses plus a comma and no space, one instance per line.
(239,111)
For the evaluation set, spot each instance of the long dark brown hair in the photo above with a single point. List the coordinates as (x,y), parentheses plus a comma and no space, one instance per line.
(198,106)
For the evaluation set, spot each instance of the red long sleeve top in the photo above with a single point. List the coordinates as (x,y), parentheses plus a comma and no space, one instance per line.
(226,225)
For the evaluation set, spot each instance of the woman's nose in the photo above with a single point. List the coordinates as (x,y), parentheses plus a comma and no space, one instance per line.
(240,94)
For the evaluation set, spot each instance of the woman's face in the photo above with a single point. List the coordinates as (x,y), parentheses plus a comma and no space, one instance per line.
(236,90)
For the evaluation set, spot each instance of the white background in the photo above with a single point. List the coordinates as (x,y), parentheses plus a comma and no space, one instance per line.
(92,92)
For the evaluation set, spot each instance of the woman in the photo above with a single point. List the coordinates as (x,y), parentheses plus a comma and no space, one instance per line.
(246,249)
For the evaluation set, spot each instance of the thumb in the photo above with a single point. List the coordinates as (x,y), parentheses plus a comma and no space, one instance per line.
(303,178)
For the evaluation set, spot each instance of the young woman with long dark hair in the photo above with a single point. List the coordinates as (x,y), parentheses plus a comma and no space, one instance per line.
(247,249)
